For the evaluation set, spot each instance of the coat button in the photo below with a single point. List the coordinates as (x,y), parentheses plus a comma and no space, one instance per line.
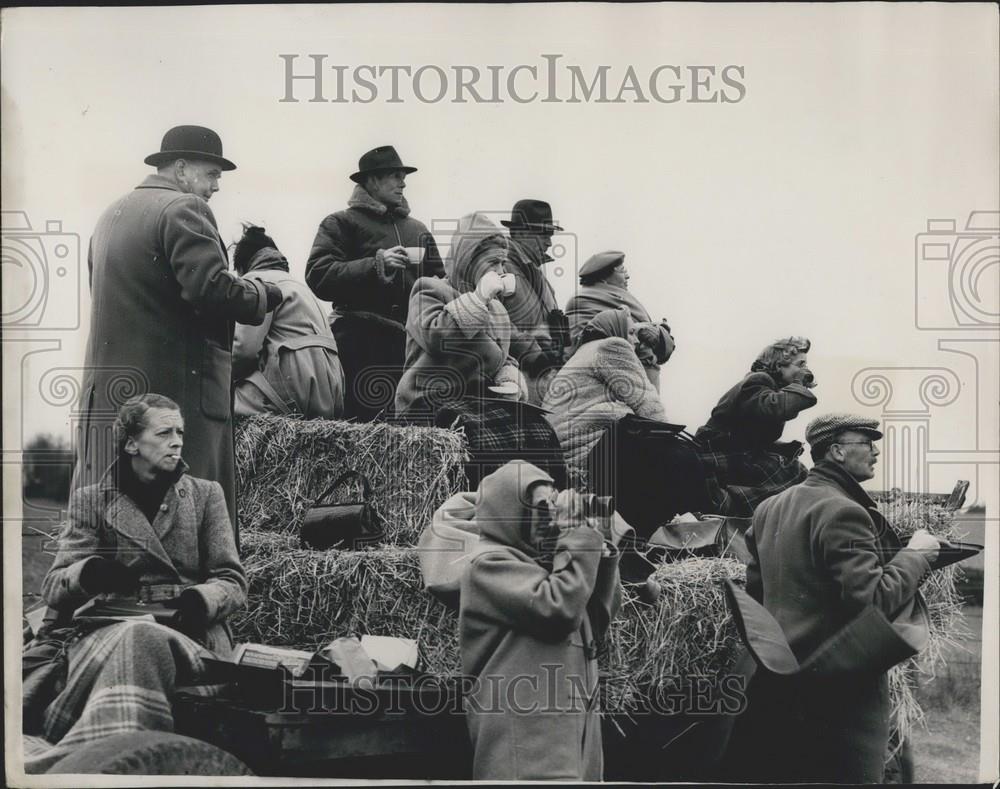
(182,493)
(164,508)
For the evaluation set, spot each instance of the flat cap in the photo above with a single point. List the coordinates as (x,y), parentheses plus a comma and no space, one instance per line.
(601,261)
(827,427)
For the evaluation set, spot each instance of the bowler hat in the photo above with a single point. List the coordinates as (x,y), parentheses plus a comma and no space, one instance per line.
(379,160)
(823,429)
(190,142)
(531,215)
(600,261)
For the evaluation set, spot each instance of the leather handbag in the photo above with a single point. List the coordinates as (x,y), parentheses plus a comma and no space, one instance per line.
(346,525)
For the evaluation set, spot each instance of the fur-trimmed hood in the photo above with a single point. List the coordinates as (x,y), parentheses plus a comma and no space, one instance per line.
(361,199)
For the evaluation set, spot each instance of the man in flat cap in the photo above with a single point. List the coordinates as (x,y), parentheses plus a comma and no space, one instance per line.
(365,260)
(163,307)
(604,286)
(834,575)
(533,307)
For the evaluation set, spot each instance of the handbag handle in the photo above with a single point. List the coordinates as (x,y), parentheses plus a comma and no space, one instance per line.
(365,485)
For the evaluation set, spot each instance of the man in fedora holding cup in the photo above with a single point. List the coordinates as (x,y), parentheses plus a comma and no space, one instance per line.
(533,307)
(163,307)
(365,260)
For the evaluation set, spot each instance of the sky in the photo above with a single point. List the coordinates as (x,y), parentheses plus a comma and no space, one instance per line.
(793,210)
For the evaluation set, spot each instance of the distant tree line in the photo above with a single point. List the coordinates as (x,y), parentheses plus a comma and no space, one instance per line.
(46,468)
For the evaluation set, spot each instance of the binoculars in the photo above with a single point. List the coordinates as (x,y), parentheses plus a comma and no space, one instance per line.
(598,506)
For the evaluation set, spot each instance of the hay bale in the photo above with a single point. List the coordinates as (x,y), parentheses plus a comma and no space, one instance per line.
(284,464)
(907,514)
(302,598)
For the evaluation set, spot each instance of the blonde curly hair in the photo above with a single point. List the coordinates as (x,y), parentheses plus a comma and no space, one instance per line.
(779,354)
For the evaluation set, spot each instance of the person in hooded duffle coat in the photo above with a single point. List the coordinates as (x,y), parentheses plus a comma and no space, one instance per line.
(360,264)
(531,615)
(163,309)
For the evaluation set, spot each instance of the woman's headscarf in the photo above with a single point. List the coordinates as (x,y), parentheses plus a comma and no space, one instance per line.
(778,354)
(607,323)
(476,236)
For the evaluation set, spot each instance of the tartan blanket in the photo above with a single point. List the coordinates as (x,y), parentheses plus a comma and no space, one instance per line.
(499,431)
(120,678)
(746,477)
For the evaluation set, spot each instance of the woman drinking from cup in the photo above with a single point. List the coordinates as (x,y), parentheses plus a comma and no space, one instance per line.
(459,340)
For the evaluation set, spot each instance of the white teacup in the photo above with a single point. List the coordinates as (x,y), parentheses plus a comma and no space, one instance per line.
(509,283)
(507,390)
(415,255)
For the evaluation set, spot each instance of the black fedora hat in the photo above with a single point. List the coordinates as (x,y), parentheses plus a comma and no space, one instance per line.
(531,215)
(190,142)
(379,160)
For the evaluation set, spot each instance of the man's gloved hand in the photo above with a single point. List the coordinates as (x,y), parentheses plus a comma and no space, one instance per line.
(103,575)
(490,286)
(274,295)
(808,379)
(192,613)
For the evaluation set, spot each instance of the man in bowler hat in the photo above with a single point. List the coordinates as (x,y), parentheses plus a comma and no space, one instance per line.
(163,308)
(822,558)
(365,260)
(533,307)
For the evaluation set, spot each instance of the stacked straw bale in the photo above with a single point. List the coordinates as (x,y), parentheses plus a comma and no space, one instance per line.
(284,465)
(303,598)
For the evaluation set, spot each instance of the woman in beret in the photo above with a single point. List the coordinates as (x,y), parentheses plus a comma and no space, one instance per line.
(147,533)
(604,285)
(740,442)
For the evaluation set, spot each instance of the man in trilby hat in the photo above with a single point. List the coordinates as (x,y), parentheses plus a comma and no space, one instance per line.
(365,260)
(163,307)
(823,558)
(533,307)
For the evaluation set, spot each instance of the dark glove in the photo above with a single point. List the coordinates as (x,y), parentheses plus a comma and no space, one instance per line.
(101,574)
(559,327)
(649,336)
(809,380)
(274,295)
(192,613)
(536,363)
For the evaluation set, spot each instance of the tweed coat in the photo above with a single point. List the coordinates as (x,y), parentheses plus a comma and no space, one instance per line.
(602,382)
(189,544)
(528,637)
(162,314)
(819,558)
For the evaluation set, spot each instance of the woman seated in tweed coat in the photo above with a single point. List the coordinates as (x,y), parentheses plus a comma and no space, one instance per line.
(146,533)
(740,442)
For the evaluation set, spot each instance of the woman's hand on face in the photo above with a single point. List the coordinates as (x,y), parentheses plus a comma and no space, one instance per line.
(489,286)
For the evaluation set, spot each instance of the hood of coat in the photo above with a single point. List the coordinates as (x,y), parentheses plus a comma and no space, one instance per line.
(502,511)
(476,235)
(267,258)
(364,201)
